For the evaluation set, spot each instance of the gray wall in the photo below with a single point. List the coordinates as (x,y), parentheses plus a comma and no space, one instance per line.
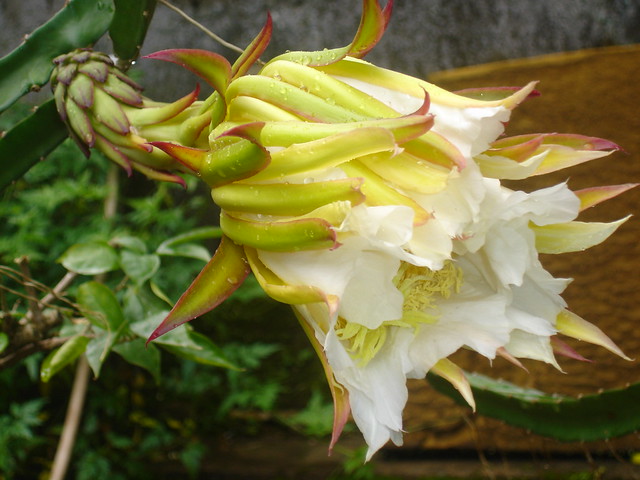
(424,35)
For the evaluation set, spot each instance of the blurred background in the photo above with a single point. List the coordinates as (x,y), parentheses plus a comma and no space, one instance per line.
(585,54)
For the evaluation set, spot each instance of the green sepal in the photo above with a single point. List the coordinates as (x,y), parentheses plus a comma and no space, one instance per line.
(279,290)
(252,53)
(285,134)
(373,23)
(18,151)
(379,193)
(230,159)
(292,99)
(573,236)
(288,199)
(224,273)
(280,236)
(63,356)
(330,89)
(211,67)
(78,24)
(435,149)
(328,152)
(600,416)
(408,172)
(150,115)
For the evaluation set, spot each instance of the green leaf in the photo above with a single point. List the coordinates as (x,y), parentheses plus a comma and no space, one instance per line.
(139,267)
(219,278)
(129,27)
(184,245)
(99,304)
(129,242)
(18,149)
(4,341)
(201,349)
(63,356)
(140,303)
(90,258)
(587,418)
(79,24)
(97,350)
(186,250)
(184,342)
(136,353)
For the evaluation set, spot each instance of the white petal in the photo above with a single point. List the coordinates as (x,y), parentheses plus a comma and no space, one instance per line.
(370,297)
(479,323)
(377,391)
(526,345)
(328,270)
(384,226)
(471,130)
(510,251)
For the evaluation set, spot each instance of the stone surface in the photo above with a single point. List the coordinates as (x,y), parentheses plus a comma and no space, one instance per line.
(423,36)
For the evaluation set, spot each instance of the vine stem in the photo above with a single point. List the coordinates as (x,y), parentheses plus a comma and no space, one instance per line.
(81,379)
(217,38)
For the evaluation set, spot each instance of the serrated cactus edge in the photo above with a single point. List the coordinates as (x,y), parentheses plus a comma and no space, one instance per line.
(600,416)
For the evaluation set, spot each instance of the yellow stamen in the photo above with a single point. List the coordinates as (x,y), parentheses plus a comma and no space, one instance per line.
(421,288)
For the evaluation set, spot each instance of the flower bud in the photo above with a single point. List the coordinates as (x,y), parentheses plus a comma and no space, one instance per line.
(104,109)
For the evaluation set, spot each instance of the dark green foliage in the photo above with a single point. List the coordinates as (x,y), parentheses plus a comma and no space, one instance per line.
(18,150)
(79,24)
(129,27)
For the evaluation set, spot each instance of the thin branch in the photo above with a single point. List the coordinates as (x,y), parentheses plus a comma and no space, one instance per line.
(111,202)
(71,421)
(81,380)
(59,288)
(30,349)
(218,39)
(35,311)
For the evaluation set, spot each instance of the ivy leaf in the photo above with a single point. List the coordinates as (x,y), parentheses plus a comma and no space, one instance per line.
(90,258)
(4,341)
(139,267)
(63,356)
(140,303)
(136,353)
(184,342)
(201,349)
(184,245)
(99,304)
(79,24)
(97,350)
(129,242)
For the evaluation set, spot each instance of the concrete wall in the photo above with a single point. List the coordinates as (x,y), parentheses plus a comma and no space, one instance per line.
(424,35)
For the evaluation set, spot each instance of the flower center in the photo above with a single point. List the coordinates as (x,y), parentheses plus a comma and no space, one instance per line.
(421,288)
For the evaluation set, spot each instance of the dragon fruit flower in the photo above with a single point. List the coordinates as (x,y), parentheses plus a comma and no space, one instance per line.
(372,202)
(105,109)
